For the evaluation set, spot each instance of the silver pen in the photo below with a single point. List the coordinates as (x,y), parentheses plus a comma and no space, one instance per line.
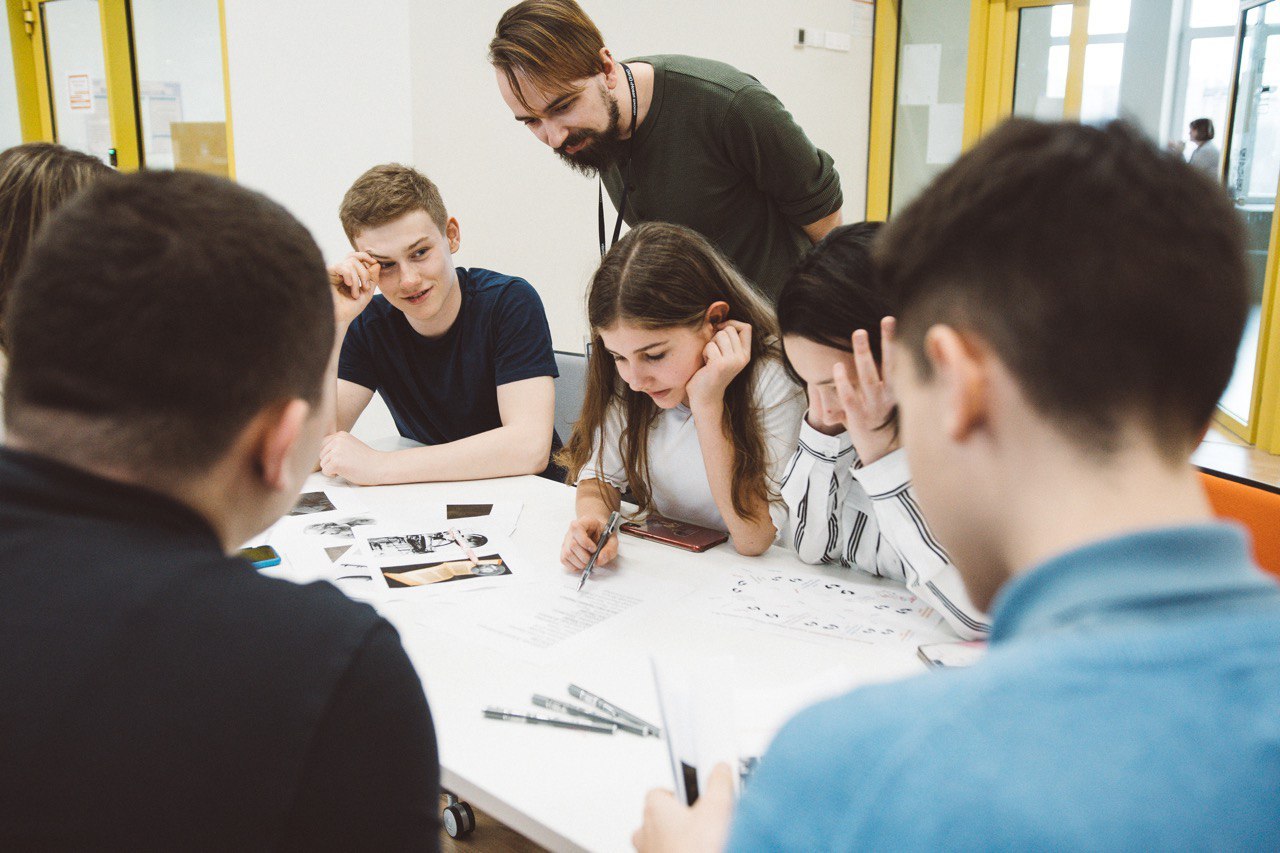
(565,708)
(544,720)
(611,526)
(612,710)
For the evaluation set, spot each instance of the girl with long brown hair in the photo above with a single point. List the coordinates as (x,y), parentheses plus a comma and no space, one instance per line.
(35,179)
(687,403)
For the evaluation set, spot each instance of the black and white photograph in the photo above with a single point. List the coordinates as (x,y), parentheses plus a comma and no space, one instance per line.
(312,502)
(443,572)
(342,528)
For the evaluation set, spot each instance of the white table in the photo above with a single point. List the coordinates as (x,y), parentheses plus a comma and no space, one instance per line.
(572,790)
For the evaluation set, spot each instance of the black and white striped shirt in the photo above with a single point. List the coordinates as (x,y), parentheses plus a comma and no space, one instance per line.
(867,518)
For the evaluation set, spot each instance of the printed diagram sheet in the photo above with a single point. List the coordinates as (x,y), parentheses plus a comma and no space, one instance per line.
(826,607)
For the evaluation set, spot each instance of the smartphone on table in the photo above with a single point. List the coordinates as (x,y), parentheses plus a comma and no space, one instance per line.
(261,556)
(679,534)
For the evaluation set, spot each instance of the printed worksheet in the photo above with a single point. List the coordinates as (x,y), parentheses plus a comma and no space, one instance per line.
(825,606)
(528,620)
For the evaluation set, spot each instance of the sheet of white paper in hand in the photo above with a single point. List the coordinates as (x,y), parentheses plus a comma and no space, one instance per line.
(859,610)
(697,700)
(551,615)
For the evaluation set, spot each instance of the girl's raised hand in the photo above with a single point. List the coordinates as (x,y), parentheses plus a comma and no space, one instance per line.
(867,398)
(725,356)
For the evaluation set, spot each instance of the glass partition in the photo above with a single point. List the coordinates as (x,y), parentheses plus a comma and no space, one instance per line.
(1253,174)
(1040,75)
(181,96)
(77,75)
(933,55)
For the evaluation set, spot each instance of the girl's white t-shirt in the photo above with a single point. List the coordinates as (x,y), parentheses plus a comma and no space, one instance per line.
(677,475)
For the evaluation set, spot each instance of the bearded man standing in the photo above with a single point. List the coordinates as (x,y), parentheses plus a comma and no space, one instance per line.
(673,138)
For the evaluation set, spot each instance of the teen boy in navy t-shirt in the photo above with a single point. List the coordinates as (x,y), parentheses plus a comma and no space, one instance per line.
(462,357)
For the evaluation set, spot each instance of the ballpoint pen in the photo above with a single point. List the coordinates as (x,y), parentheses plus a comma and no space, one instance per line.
(466,549)
(565,708)
(544,720)
(612,710)
(611,526)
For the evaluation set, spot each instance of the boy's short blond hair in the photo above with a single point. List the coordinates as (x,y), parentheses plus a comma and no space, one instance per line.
(386,193)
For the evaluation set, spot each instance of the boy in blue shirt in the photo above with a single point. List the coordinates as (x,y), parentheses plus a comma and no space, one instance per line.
(462,357)
(1066,326)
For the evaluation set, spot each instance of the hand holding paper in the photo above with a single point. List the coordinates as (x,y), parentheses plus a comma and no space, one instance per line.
(670,826)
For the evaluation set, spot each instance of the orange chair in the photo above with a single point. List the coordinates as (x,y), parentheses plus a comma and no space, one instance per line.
(1254,505)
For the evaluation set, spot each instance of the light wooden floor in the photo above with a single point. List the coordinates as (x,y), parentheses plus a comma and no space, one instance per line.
(489,837)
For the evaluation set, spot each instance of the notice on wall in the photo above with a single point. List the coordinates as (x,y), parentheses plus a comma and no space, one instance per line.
(921,69)
(79,92)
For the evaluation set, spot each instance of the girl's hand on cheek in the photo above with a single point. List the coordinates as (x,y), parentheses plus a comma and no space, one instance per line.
(867,397)
(725,356)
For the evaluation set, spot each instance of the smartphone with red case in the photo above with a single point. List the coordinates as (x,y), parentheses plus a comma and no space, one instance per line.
(680,534)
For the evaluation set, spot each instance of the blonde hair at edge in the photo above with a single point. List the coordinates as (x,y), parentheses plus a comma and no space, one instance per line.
(663,276)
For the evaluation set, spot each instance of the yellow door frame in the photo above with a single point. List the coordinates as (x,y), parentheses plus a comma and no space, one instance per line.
(884,87)
(226,88)
(21,24)
(1263,427)
(27,41)
(993,51)
(117,59)
(1002,64)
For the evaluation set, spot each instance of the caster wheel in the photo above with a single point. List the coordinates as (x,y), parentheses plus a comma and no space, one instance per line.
(458,820)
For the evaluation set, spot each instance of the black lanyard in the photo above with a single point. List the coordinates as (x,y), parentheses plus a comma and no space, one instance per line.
(622,205)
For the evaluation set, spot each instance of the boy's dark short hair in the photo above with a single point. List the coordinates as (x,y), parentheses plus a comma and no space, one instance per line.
(158,313)
(384,194)
(1107,275)
(1203,127)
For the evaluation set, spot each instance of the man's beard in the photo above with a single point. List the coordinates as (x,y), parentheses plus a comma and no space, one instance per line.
(604,148)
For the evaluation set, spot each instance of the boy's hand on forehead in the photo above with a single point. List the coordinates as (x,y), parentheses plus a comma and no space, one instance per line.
(354,279)
(867,397)
(725,356)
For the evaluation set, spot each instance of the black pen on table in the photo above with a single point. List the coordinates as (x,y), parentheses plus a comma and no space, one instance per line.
(565,708)
(611,526)
(544,720)
(612,710)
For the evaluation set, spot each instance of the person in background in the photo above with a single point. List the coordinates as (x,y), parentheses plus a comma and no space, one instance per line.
(709,146)
(462,357)
(687,404)
(169,336)
(1206,156)
(848,486)
(35,179)
(1128,698)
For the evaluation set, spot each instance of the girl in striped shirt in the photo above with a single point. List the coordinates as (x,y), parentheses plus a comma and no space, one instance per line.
(847,485)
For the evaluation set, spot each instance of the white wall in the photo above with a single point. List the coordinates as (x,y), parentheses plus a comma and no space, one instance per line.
(319,92)
(321,96)
(524,213)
